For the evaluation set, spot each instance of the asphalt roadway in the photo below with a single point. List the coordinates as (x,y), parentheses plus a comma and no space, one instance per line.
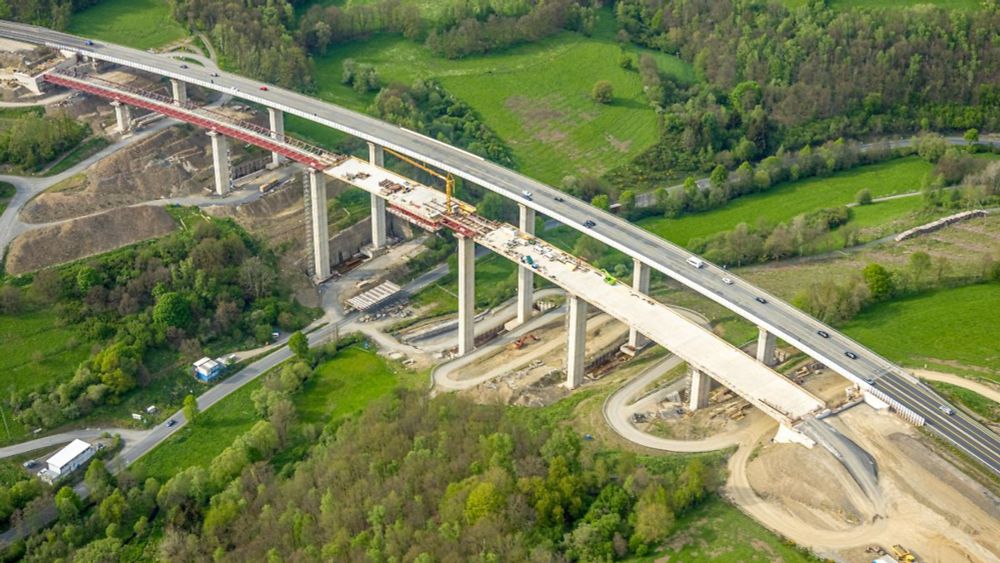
(780,318)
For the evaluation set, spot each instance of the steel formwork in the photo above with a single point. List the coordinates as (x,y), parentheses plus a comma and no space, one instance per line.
(298,151)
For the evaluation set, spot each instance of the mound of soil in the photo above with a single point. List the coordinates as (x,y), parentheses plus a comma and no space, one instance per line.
(87,236)
(810,484)
(174,162)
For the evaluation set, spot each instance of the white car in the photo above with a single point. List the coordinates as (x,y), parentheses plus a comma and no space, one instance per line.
(727,281)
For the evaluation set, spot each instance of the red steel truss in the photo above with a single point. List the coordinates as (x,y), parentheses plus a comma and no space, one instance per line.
(298,151)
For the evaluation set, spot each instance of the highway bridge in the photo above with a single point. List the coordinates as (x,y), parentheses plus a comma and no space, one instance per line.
(880,379)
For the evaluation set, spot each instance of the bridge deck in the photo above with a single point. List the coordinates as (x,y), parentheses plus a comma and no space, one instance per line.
(757,383)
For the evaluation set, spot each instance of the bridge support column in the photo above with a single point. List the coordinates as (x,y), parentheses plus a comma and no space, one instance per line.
(700,384)
(220,161)
(376,156)
(123,115)
(576,347)
(320,231)
(765,347)
(525,277)
(277,119)
(179,89)
(640,283)
(466,294)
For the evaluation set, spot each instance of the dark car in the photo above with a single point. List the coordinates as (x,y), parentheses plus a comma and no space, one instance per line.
(559,198)
(589,224)
(851,355)
(89,42)
(823,333)
(171,423)
(761,300)
(184,66)
(870,380)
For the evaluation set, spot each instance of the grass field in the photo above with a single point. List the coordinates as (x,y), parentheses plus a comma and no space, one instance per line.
(197,444)
(339,387)
(947,326)
(344,386)
(142,24)
(536,96)
(37,350)
(718,532)
(785,201)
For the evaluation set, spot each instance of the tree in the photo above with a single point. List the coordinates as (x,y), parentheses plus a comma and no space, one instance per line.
(172,309)
(878,280)
(627,199)
(971,137)
(863,197)
(67,504)
(98,479)
(600,201)
(190,408)
(603,92)
(256,278)
(299,345)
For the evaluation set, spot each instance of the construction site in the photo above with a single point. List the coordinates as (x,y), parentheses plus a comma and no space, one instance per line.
(661,377)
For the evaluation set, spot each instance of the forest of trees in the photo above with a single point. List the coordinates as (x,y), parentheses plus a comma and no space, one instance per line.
(49,13)
(30,141)
(790,77)
(182,293)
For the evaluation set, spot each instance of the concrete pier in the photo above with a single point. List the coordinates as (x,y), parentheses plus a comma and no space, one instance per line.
(123,115)
(320,231)
(765,347)
(277,121)
(576,347)
(525,277)
(466,294)
(220,161)
(179,89)
(700,384)
(640,283)
(376,156)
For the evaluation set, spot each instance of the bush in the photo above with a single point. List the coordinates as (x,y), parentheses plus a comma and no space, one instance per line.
(863,197)
(603,92)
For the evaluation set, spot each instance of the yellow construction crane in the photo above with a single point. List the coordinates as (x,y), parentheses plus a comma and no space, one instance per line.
(449,180)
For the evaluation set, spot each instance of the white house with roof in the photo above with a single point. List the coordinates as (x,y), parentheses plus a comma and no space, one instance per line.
(67,460)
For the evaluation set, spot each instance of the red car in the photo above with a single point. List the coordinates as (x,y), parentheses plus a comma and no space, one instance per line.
(264,88)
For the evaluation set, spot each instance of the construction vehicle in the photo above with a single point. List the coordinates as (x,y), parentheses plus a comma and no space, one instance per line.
(524,341)
(902,554)
(449,181)
(608,278)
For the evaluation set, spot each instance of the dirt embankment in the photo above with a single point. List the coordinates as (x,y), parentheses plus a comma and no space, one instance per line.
(175,162)
(87,236)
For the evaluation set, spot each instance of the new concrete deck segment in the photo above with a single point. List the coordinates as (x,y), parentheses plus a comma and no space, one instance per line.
(761,386)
